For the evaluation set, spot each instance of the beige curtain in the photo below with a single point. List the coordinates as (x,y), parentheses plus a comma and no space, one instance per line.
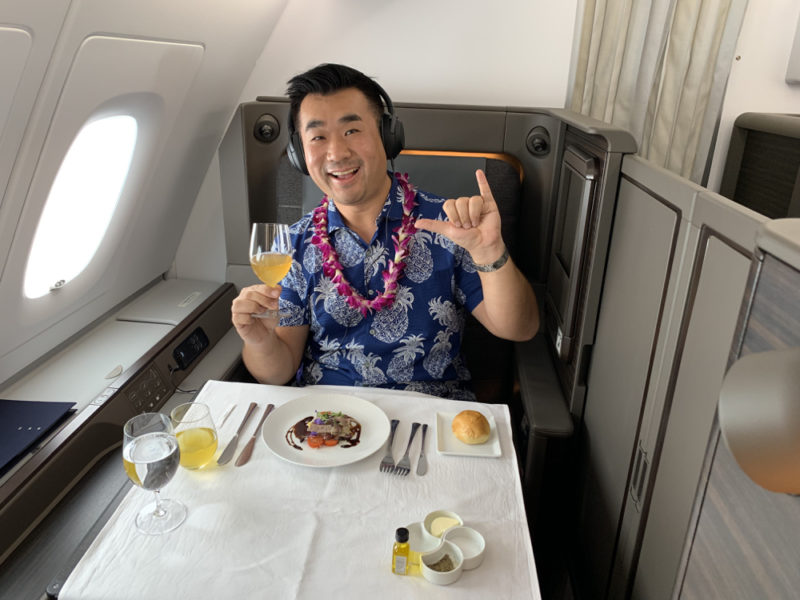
(658,68)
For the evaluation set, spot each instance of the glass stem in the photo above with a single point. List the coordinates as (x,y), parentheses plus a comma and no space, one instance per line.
(158,512)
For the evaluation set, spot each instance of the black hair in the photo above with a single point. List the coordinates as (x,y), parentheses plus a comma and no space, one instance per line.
(326,79)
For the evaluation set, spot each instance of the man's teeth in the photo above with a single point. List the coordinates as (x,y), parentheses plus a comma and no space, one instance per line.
(343,173)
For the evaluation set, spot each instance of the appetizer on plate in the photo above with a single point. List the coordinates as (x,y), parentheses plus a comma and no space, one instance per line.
(325,428)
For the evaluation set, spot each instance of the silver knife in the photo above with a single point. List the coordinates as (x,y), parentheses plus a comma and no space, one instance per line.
(247,451)
(227,454)
(422,464)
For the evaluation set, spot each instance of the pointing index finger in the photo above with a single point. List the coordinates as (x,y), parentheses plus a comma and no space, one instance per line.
(483,185)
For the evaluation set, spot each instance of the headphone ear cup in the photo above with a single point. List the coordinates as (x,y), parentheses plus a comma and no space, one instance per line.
(392,135)
(295,153)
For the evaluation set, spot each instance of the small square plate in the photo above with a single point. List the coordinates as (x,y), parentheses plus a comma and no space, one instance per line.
(447,443)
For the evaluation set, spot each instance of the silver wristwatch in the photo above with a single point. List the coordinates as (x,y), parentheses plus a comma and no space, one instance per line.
(495,265)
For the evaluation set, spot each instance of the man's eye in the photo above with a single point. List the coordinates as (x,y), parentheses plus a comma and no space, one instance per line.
(350,131)
(316,138)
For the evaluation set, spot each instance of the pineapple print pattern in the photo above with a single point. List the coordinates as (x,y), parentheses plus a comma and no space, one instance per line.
(415,343)
(365,364)
(348,247)
(390,324)
(401,367)
(330,352)
(294,278)
(313,374)
(335,305)
(376,258)
(419,264)
(439,358)
(312,259)
(292,314)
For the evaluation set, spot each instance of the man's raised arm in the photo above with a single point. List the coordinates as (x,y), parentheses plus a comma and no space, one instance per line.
(272,354)
(509,309)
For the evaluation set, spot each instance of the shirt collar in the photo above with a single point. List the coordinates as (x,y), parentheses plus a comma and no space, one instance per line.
(392,208)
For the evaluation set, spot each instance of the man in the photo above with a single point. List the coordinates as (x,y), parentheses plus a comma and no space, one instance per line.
(382,274)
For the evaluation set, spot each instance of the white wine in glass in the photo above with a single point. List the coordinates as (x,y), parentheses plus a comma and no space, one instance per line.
(270,256)
(151,456)
(196,434)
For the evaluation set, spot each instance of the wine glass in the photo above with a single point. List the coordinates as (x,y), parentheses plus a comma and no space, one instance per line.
(270,256)
(196,434)
(150,454)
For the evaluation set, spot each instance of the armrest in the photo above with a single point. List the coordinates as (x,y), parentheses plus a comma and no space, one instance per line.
(542,398)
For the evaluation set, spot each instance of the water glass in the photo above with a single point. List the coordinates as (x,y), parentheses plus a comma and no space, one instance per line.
(150,456)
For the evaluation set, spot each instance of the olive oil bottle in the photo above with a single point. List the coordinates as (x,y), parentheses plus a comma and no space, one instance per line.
(400,552)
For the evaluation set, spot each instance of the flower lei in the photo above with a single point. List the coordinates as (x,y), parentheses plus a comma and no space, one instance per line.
(401,238)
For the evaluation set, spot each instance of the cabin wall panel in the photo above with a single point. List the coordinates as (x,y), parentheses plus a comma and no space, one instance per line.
(230,38)
(29,33)
(712,320)
(516,53)
(106,78)
(201,254)
(636,286)
(15,47)
(675,433)
(641,279)
(658,361)
(745,543)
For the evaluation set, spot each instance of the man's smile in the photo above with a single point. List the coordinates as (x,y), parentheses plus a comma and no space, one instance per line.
(344,174)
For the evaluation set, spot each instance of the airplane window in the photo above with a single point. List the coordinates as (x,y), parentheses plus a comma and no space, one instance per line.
(80,204)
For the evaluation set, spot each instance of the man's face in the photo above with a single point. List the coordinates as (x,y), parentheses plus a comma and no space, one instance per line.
(343,148)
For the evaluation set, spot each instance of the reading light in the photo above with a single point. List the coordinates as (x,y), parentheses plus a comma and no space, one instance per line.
(759,417)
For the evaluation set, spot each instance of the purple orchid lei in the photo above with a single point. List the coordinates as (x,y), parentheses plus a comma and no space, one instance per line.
(401,238)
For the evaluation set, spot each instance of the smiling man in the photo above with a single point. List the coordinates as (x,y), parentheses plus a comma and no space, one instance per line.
(382,273)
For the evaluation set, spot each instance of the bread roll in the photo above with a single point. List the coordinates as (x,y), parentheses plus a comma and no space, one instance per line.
(471,427)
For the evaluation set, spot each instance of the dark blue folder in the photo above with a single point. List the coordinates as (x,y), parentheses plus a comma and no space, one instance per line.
(23,423)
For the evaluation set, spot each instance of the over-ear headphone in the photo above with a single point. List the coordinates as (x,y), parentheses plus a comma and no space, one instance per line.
(391,130)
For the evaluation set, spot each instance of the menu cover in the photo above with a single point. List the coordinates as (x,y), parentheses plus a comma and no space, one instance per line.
(23,423)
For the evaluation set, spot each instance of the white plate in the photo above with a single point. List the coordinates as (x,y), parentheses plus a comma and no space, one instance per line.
(447,443)
(374,430)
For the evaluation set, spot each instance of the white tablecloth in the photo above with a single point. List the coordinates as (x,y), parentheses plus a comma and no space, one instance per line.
(273,529)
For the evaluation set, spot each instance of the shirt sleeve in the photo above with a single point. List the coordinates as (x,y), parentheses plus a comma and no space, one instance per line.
(467,280)
(296,285)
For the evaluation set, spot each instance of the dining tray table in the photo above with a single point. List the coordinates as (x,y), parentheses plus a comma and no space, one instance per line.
(283,527)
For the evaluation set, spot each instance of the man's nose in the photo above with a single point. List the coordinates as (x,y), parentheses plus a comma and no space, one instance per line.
(338,148)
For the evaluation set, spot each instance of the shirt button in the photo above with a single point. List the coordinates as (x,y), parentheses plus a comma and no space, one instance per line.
(372,332)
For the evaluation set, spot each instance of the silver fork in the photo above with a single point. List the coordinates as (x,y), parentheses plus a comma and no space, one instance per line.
(387,464)
(404,466)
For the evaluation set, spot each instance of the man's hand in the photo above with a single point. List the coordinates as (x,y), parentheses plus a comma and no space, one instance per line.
(472,222)
(254,300)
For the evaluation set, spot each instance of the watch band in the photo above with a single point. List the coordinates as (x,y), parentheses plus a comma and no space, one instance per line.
(495,265)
